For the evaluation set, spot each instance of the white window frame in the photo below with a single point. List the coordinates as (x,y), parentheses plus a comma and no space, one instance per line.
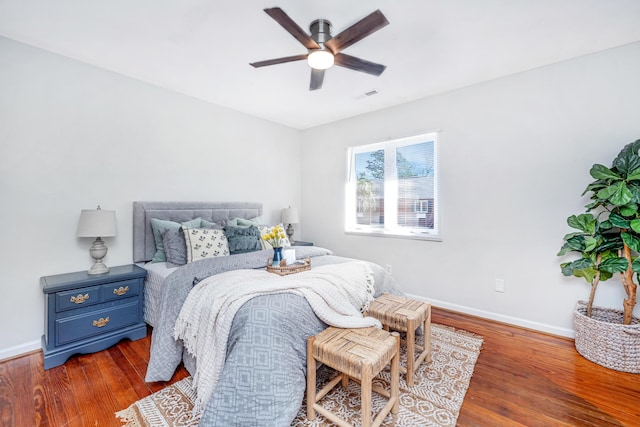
(390,228)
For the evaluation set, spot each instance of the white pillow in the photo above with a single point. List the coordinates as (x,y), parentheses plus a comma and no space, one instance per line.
(264,229)
(205,243)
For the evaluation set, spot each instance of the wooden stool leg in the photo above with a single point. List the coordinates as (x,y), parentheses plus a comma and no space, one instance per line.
(427,334)
(411,355)
(365,394)
(395,376)
(345,380)
(311,380)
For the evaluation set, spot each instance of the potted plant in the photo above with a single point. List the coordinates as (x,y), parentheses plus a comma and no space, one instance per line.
(608,241)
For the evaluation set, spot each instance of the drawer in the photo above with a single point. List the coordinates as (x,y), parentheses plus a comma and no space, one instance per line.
(119,290)
(69,300)
(75,328)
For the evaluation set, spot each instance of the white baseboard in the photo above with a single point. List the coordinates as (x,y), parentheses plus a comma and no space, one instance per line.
(542,327)
(19,350)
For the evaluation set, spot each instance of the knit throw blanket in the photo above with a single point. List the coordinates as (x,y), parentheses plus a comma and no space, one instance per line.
(337,293)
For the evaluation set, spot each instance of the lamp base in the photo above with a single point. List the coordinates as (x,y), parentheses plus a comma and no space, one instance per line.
(290,234)
(98,251)
(98,268)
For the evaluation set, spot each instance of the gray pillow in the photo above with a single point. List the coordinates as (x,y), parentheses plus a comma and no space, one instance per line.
(157,225)
(243,239)
(175,248)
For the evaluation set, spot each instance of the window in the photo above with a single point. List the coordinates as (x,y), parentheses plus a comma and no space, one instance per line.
(392,188)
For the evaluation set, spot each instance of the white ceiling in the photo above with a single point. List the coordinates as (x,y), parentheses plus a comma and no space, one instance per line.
(202,48)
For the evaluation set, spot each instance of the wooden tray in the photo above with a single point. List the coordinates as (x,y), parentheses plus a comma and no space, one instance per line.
(285,269)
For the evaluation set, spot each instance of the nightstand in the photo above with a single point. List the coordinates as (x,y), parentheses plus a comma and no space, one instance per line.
(87,313)
(301,243)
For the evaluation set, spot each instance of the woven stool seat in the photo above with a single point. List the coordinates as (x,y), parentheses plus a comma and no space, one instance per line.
(405,315)
(359,354)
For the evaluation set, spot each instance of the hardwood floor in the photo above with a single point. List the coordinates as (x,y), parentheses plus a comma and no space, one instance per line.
(521,378)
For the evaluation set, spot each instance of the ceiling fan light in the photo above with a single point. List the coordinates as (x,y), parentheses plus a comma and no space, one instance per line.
(320,59)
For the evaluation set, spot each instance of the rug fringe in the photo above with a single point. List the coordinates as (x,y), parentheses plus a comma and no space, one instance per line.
(127,416)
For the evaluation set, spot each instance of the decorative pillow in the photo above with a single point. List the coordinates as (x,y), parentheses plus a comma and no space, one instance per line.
(264,229)
(243,239)
(253,221)
(204,243)
(157,225)
(209,224)
(174,247)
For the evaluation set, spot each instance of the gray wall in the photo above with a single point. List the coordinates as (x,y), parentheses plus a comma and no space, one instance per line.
(515,157)
(74,136)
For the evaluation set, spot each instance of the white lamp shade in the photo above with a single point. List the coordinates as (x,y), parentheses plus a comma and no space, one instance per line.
(290,216)
(96,223)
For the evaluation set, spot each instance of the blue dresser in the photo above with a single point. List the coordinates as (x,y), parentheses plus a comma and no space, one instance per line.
(88,313)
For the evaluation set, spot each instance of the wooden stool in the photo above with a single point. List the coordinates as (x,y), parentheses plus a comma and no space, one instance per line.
(406,315)
(359,354)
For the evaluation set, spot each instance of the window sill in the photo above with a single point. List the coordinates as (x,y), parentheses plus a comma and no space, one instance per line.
(382,233)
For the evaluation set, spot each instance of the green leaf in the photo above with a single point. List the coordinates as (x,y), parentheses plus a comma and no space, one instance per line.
(629,209)
(594,186)
(606,225)
(613,243)
(605,275)
(635,265)
(581,264)
(603,172)
(635,191)
(617,194)
(588,273)
(632,241)
(618,221)
(614,265)
(628,160)
(633,176)
(593,205)
(576,243)
(583,222)
(570,268)
(635,225)
(564,250)
(590,244)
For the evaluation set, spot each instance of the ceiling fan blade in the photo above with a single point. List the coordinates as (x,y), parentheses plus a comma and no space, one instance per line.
(279,60)
(361,29)
(292,28)
(358,64)
(317,77)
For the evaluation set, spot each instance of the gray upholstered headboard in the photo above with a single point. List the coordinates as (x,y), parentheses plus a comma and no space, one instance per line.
(143,244)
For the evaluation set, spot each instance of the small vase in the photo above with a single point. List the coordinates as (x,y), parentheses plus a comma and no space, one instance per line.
(277,257)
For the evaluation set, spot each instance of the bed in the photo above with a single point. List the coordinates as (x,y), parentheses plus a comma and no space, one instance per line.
(260,370)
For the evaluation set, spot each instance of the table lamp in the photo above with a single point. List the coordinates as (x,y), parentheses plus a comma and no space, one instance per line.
(290,216)
(97,223)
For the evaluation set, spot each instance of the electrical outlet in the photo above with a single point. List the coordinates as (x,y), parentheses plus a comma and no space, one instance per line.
(388,268)
(499,285)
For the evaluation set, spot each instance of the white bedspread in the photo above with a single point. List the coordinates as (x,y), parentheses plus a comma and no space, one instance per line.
(337,293)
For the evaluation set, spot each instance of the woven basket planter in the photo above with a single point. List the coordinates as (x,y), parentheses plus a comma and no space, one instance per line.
(603,339)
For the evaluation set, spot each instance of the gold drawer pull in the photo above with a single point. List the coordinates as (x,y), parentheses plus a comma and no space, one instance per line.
(121,290)
(80,298)
(101,322)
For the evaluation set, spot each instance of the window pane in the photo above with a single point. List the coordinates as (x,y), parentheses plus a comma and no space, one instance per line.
(369,169)
(416,189)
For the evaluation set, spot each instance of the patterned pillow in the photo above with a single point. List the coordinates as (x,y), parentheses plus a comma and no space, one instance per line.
(205,243)
(157,225)
(264,229)
(243,239)
(175,247)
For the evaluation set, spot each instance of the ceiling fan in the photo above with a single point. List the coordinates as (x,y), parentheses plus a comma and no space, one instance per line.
(325,50)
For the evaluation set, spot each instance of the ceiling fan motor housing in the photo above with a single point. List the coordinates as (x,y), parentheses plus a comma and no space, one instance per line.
(320,31)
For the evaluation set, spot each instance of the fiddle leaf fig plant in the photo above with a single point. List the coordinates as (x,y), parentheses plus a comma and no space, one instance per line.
(608,240)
